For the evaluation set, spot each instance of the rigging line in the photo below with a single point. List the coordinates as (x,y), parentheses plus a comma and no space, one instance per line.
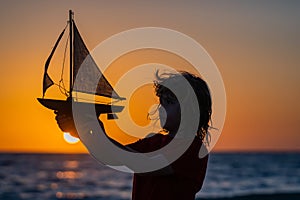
(61,89)
(64,58)
(61,85)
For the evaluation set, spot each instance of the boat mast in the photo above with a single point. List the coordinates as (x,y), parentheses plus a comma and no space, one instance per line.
(71,51)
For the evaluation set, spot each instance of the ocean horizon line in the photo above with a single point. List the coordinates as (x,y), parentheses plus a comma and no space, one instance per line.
(213,152)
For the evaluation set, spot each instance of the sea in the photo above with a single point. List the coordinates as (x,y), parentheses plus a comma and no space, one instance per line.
(79,176)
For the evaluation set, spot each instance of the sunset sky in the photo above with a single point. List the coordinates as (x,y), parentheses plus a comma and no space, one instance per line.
(255,45)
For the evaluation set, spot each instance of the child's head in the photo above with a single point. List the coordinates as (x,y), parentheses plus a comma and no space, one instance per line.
(169,101)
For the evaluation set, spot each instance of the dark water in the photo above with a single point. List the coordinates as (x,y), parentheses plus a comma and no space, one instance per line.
(57,176)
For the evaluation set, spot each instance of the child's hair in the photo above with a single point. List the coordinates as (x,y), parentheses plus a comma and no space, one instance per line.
(200,88)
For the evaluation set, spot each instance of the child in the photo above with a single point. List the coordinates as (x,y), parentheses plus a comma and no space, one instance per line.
(183,178)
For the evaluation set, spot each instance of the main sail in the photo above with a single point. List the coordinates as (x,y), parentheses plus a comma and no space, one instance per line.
(90,71)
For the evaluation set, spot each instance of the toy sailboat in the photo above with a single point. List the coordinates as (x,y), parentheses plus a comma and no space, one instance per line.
(78,54)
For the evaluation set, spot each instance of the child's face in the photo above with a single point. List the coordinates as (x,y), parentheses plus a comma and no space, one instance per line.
(169,115)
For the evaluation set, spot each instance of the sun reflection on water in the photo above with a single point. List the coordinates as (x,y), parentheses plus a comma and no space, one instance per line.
(70,195)
(71,164)
(68,175)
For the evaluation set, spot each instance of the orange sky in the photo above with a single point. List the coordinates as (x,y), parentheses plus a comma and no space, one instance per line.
(254,44)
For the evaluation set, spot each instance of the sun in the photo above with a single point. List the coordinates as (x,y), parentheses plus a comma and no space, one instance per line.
(70,139)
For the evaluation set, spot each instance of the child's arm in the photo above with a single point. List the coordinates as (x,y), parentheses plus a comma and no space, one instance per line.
(66,123)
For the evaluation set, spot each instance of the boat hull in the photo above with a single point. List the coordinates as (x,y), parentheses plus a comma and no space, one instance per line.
(66,106)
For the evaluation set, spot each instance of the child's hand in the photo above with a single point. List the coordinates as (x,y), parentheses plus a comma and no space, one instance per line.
(66,123)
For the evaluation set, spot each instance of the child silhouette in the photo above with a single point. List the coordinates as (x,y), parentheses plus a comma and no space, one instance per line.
(183,178)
